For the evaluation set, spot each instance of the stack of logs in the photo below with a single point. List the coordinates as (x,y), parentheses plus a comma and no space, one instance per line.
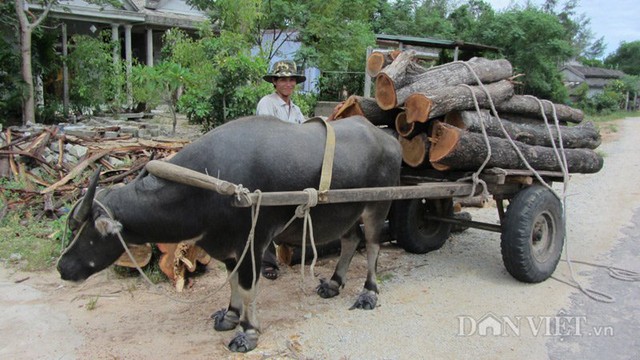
(439,114)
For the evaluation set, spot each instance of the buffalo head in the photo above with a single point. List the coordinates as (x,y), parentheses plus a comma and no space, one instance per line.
(95,243)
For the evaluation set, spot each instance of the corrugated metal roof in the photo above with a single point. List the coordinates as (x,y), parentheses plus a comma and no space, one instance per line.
(431,42)
(595,72)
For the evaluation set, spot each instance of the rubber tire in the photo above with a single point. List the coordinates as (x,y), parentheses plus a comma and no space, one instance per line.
(413,232)
(534,212)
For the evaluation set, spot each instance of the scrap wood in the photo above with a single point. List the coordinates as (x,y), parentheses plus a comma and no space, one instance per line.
(176,258)
(76,171)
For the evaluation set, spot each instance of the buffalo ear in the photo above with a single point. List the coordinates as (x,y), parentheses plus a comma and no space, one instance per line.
(106,226)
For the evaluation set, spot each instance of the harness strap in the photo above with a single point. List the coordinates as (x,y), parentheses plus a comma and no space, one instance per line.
(329,152)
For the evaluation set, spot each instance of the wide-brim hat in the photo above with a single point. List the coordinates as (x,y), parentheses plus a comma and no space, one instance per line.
(284,68)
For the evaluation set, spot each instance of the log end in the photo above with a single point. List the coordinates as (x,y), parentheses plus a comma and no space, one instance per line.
(350,107)
(418,107)
(415,152)
(141,255)
(403,127)
(375,63)
(444,139)
(385,92)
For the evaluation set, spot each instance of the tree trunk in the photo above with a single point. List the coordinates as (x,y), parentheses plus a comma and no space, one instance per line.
(529,106)
(28,100)
(584,135)
(26,29)
(378,60)
(421,107)
(391,93)
(415,152)
(455,149)
(367,107)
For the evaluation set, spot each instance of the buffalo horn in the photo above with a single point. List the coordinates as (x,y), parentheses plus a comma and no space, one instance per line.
(87,201)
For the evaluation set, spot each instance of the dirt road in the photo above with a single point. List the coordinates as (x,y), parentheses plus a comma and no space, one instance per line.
(455,303)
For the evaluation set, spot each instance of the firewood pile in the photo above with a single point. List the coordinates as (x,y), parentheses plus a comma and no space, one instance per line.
(52,164)
(435,113)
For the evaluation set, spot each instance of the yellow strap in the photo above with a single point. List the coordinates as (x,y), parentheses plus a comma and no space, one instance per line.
(329,151)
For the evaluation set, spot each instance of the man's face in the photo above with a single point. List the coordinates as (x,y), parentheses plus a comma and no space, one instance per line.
(285,86)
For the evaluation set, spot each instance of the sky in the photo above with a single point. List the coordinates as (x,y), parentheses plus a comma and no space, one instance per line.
(616,20)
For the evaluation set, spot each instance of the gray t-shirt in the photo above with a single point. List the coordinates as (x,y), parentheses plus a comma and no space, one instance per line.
(272,104)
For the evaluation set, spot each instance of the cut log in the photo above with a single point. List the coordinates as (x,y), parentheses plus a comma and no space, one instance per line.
(527,120)
(378,60)
(406,129)
(367,107)
(399,73)
(391,93)
(528,105)
(141,255)
(415,152)
(584,135)
(456,149)
(177,258)
(421,107)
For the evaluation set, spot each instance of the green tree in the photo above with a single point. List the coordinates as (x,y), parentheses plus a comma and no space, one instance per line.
(535,43)
(159,84)
(626,58)
(94,80)
(224,80)
(26,28)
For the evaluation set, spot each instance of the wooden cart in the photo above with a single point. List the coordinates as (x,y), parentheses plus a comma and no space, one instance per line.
(531,226)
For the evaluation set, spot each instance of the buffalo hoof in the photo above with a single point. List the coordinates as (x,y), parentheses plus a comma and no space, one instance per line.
(224,320)
(244,341)
(328,289)
(367,300)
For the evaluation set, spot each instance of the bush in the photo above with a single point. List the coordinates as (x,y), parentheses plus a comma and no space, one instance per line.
(94,80)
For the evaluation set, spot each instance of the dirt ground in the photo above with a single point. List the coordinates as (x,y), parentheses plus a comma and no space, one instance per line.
(423,299)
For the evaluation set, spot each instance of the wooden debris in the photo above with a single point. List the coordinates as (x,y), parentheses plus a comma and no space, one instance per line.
(178,258)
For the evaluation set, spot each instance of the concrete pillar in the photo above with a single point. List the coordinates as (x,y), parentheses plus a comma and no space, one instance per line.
(128,59)
(115,38)
(367,78)
(65,73)
(149,47)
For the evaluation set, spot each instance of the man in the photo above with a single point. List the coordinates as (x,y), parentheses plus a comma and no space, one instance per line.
(284,77)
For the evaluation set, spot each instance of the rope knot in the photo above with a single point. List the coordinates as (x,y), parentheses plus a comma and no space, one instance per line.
(242,193)
(312,200)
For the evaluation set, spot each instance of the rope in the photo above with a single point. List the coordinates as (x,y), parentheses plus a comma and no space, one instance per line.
(623,274)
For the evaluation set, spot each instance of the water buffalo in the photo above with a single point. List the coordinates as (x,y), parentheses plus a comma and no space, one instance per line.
(259,153)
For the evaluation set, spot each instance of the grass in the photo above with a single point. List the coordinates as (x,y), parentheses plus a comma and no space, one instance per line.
(613,116)
(28,243)
(92,304)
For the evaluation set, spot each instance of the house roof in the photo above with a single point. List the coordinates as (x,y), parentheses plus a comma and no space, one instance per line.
(169,13)
(587,72)
(430,42)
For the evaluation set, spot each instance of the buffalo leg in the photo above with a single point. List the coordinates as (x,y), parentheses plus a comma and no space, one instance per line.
(229,318)
(349,244)
(373,219)
(247,337)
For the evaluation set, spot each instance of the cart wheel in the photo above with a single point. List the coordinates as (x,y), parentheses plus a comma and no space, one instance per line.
(532,234)
(414,232)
